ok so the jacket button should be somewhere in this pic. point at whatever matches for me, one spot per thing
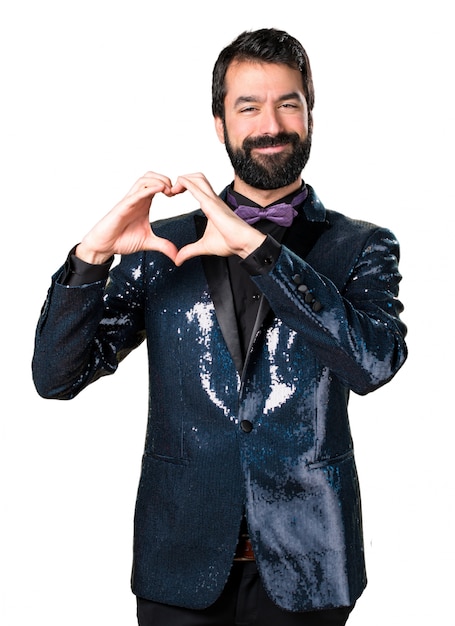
(316, 306)
(308, 298)
(246, 426)
(302, 288)
(297, 279)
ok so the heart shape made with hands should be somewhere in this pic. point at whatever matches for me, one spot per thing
(126, 229)
(211, 241)
(226, 234)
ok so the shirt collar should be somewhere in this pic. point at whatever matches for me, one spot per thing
(241, 199)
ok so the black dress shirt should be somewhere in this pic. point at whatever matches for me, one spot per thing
(246, 294)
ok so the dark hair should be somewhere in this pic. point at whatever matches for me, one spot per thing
(266, 45)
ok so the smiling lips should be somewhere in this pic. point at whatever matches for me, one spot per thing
(271, 149)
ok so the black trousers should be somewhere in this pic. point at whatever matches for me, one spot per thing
(243, 602)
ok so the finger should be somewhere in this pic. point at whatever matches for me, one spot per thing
(177, 189)
(201, 192)
(180, 186)
(154, 182)
(195, 183)
(153, 177)
(147, 190)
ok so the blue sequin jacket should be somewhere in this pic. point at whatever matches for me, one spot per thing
(292, 468)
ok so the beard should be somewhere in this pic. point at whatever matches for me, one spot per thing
(269, 171)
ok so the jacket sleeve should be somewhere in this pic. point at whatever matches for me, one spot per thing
(353, 329)
(85, 331)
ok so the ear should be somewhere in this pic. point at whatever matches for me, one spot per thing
(219, 127)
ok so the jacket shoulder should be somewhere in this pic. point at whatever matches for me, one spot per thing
(340, 247)
(344, 226)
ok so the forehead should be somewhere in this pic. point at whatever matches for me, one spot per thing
(251, 78)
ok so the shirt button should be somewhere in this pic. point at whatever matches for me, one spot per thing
(256, 296)
(246, 426)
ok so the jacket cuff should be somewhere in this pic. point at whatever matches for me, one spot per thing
(263, 259)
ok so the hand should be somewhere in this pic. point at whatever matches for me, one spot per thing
(126, 228)
(226, 234)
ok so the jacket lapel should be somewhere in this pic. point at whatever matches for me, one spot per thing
(217, 275)
(303, 235)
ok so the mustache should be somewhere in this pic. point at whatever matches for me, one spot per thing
(270, 141)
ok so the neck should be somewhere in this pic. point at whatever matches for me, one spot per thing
(264, 197)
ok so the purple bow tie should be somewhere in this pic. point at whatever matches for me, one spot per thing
(282, 213)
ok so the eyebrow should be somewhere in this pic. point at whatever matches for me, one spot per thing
(292, 95)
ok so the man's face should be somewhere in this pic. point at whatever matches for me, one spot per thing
(265, 130)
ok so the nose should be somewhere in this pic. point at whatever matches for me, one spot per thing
(269, 122)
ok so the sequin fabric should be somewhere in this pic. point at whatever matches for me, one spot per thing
(274, 438)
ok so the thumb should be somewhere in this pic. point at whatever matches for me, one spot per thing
(165, 246)
(189, 251)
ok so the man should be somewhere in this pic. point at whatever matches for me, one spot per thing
(261, 311)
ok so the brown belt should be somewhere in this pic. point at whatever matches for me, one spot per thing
(244, 550)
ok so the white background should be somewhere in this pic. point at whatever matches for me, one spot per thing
(94, 93)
